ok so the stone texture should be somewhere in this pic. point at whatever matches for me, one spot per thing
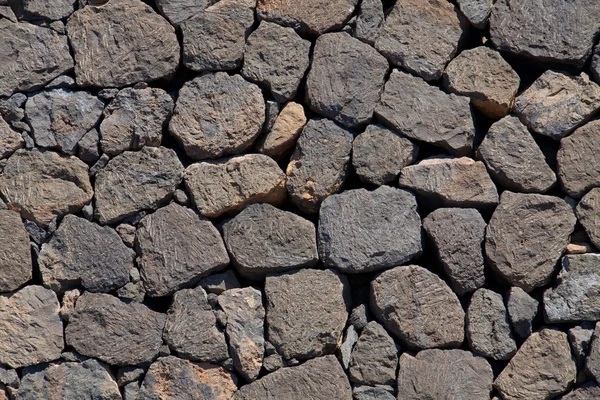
(542, 368)
(354, 229)
(526, 236)
(142, 47)
(557, 103)
(374, 357)
(177, 11)
(15, 255)
(217, 115)
(417, 307)
(592, 367)
(286, 129)
(457, 236)
(522, 309)
(369, 21)
(226, 185)
(176, 248)
(10, 140)
(310, 328)
(346, 79)
(423, 112)
(263, 239)
(87, 147)
(578, 160)
(110, 330)
(580, 338)
(319, 164)
(422, 37)
(42, 185)
(587, 214)
(39, 9)
(136, 181)
(514, 159)
(345, 350)
(588, 391)
(371, 393)
(218, 283)
(449, 374)
(476, 11)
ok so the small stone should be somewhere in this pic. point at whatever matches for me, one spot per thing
(423, 112)
(592, 367)
(68, 303)
(62, 82)
(99, 165)
(588, 216)
(271, 113)
(371, 393)
(12, 108)
(88, 211)
(108, 94)
(132, 292)
(7, 12)
(345, 350)
(354, 230)
(181, 197)
(477, 11)
(36, 9)
(579, 248)
(358, 317)
(127, 233)
(227, 185)
(286, 129)
(177, 11)
(522, 309)
(9, 377)
(588, 391)
(580, 338)
(88, 149)
(15, 256)
(418, 308)
(375, 357)
(129, 374)
(220, 282)
(369, 21)
(272, 363)
(10, 141)
(36, 233)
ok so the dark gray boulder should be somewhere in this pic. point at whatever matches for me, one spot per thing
(374, 357)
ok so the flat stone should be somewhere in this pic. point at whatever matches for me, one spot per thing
(422, 37)
(425, 113)
(277, 58)
(345, 350)
(263, 239)
(310, 328)
(143, 45)
(15, 254)
(457, 236)
(40, 9)
(42, 185)
(588, 391)
(369, 21)
(514, 159)
(176, 248)
(136, 181)
(227, 185)
(220, 282)
(418, 308)
(113, 331)
(354, 230)
(286, 129)
(319, 164)
(346, 79)
(526, 236)
(371, 393)
(217, 115)
(177, 11)
(557, 103)
(578, 160)
(374, 357)
(10, 140)
(542, 368)
(587, 214)
(476, 11)
(522, 309)
(87, 147)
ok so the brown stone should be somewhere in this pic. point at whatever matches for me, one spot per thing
(10, 140)
(15, 254)
(284, 133)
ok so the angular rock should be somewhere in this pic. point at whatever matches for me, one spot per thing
(442, 119)
(285, 131)
(226, 185)
(580, 338)
(277, 58)
(557, 103)
(422, 37)
(345, 350)
(68, 303)
(176, 248)
(354, 230)
(135, 181)
(87, 148)
(369, 21)
(217, 115)
(587, 214)
(218, 283)
(310, 328)
(526, 236)
(457, 235)
(374, 357)
(10, 140)
(522, 309)
(319, 164)
(588, 391)
(514, 159)
(39, 9)
(42, 185)
(451, 182)
(542, 368)
(418, 308)
(477, 11)
(143, 46)
(371, 393)
(115, 332)
(177, 11)
(438, 374)
(346, 79)
(15, 255)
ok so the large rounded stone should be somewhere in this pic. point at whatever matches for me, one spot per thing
(15, 254)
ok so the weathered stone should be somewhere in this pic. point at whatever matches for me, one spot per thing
(542, 368)
(177, 11)
(68, 301)
(176, 248)
(371, 393)
(87, 148)
(62, 82)
(418, 308)
(286, 129)
(135, 181)
(422, 37)
(226, 185)
(15, 255)
(592, 367)
(588, 216)
(477, 11)
(314, 326)
(438, 374)
(557, 103)
(39, 9)
(218, 283)
(98, 165)
(526, 236)
(217, 115)
(129, 374)
(132, 292)
(143, 46)
(31, 331)
(580, 338)
(359, 316)
(302, 382)
(276, 57)
(354, 230)
(588, 391)
(118, 333)
(442, 119)
(522, 309)
(369, 20)
(31, 56)
(374, 357)
(11, 108)
(319, 164)
(578, 160)
(457, 235)
(42, 185)
(271, 113)
(514, 159)
(346, 79)
(10, 140)
(345, 350)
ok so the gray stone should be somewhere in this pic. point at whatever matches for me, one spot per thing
(345, 350)
(220, 282)
(271, 113)
(62, 82)
(181, 197)
(588, 216)
(177, 11)
(126, 233)
(522, 309)
(354, 229)
(7, 12)
(40, 9)
(10, 140)
(129, 374)
(131, 390)
(11, 108)
(592, 367)
(588, 391)
(9, 377)
(272, 363)
(99, 165)
(15, 255)
(371, 393)
(526, 236)
(87, 147)
(423, 112)
(418, 308)
(369, 21)
(580, 338)
(359, 316)
(477, 11)
(374, 358)
(132, 292)
(68, 301)
(282, 135)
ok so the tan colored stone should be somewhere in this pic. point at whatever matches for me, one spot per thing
(579, 248)
(285, 131)
(10, 141)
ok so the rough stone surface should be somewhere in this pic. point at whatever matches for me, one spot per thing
(87, 147)
(578, 160)
(374, 357)
(476, 11)
(588, 216)
(10, 140)
(423, 112)
(218, 283)
(588, 391)
(371, 393)
(417, 307)
(369, 20)
(526, 236)
(15, 255)
(580, 338)
(354, 230)
(36, 9)
(592, 367)
(177, 11)
(345, 350)
(286, 129)
(522, 309)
